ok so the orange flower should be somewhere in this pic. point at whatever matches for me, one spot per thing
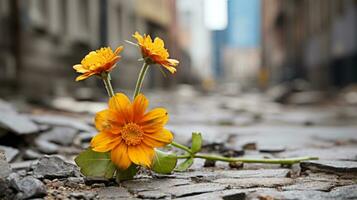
(130, 133)
(155, 51)
(96, 62)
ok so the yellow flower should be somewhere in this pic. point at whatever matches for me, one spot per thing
(97, 62)
(155, 51)
(130, 133)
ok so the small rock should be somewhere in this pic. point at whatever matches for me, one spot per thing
(271, 149)
(231, 194)
(27, 187)
(311, 185)
(250, 146)
(83, 195)
(74, 182)
(46, 147)
(236, 165)
(10, 152)
(334, 166)
(5, 169)
(153, 194)
(17, 123)
(54, 167)
(209, 163)
(25, 165)
(6, 107)
(31, 155)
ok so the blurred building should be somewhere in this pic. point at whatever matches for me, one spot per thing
(40, 41)
(314, 40)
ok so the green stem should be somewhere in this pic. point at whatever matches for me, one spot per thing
(180, 146)
(108, 86)
(140, 80)
(287, 161)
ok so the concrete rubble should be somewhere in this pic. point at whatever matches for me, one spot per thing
(37, 150)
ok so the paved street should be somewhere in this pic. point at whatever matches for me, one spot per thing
(249, 125)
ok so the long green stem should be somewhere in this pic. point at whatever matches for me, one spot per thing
(180, 146)
(140, 80)
(287, 161)
(108, 86)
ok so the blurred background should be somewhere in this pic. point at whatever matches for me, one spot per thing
(229, 46)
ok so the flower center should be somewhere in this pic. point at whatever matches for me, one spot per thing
(132, 134)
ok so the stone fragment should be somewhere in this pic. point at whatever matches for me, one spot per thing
(17, 123)
(193, 189)
(6, 107)
(113, 192)
(60, 135)
(5, 169)
(65, 121)
(153, 184)
(30, 154)
(54, 167)
(334, 166)
(232, 194)
(153, 194)
(271, 149)
(10, 152)
(311, 185)
(254, 182)
(46, 147)
(27, 187)
(83, 195)
(25, 165)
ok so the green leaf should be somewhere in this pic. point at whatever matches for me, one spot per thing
(95, 164)
(196, 142)
(164, 163)
(127, 174)
(184, 165)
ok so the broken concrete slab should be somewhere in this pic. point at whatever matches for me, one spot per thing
(10, 152)
(54, 167)
(17, 123)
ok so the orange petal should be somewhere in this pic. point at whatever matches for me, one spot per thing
(141, 154)
(154, 120)
(80, 68)
(120, 157)
(121, 104)
(84, 76)
(108, 121)
(158, 139)
(139, 106)
(104, 142)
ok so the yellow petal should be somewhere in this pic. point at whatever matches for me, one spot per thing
(118, 50)
(84, 76)
(80, 68)
(104, 142)
(154, 120)
(158, 139)
(120, 157)
(170, 68)
(139, 106)
(138, 37)
(108, 121)
(141, 154)
(121, 104)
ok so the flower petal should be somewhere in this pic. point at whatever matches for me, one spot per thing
(121, 104)
(141, 154)
(84, 76)
(154, 120)
(118, 50)
(104, 142)
(80, 68)
(139, 106)
(120, 157)
(108, 121)
(158, 139)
